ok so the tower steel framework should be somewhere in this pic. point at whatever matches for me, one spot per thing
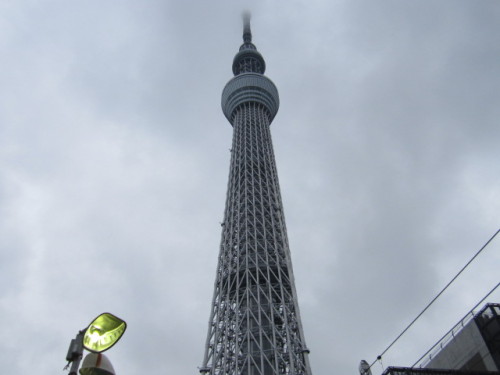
(254, 326)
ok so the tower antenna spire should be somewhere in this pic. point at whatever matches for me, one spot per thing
(247, 33)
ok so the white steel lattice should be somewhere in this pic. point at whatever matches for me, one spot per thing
(254, 326)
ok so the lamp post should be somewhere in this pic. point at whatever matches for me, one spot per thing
(100, 335)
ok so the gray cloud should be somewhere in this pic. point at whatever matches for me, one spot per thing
(114, 161)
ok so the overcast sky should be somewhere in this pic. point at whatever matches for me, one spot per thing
(114, 163)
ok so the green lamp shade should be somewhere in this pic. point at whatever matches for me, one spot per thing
(103, 333)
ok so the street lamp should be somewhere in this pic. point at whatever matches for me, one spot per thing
(100, 335)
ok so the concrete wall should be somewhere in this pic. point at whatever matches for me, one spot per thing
(466, 351)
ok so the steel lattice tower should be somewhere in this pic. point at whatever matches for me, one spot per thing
(254, 326)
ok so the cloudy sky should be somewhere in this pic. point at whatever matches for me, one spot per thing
(114, 162)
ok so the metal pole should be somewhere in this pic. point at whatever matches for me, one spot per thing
(75, 352)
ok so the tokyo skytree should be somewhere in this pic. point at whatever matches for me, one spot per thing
(254, 326)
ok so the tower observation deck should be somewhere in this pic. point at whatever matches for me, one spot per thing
(254, 326)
